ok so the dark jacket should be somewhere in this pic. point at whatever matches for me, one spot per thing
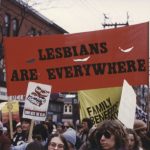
(88, 146)
(5, 142)
(19, 138)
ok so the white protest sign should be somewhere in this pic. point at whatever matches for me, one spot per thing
(127, 106)
(36, 101)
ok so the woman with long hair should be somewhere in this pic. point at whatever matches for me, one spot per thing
(111, 135)
(134, 140)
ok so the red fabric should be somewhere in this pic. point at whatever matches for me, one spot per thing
(67, 74)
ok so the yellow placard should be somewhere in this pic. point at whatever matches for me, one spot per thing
(99, 104)
(14, 109)
(13, 104)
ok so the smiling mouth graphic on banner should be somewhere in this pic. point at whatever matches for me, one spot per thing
(126, 50)
(38, 97)
(81, 60)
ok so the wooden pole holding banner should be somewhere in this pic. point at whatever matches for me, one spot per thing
(30, 131)
(10, 107)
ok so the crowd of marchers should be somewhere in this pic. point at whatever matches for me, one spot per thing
(46, 135)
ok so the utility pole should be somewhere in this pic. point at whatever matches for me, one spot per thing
(115, 25)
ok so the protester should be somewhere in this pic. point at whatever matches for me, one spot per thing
(5, 142)
(79, 129)
(49, 125)
(7, 125)
(68, 124)
(57, 141)
(111, 135)
(70, 136)
(141, 129)
(39, 134)
(18, 137)
(54, 130)
(78, 133)
(134, 140)
(60, 128)
(5, 131)
(87, 124)
(25, 125)
(35, 146)
(90, 144)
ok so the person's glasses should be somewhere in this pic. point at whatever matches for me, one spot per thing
(106, 134)
(54, 145)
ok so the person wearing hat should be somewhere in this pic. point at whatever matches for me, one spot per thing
(141, 129)
(21, 139)
(70, 136)
(18, 137)
(5, 142)
(39, 134)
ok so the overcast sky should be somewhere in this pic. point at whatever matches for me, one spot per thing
(88, 15)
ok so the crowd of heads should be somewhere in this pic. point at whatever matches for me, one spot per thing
(106, 135)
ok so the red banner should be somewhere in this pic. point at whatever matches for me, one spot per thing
(79, 61)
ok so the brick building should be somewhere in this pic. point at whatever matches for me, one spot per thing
(19, 19)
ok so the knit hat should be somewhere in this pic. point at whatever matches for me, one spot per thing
(1, 126)
(18, 124)
(70, 136)
(139, 125)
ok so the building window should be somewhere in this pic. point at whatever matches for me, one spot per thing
(15, 25)
(6, 31)
(68, 109)
(65, 108)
